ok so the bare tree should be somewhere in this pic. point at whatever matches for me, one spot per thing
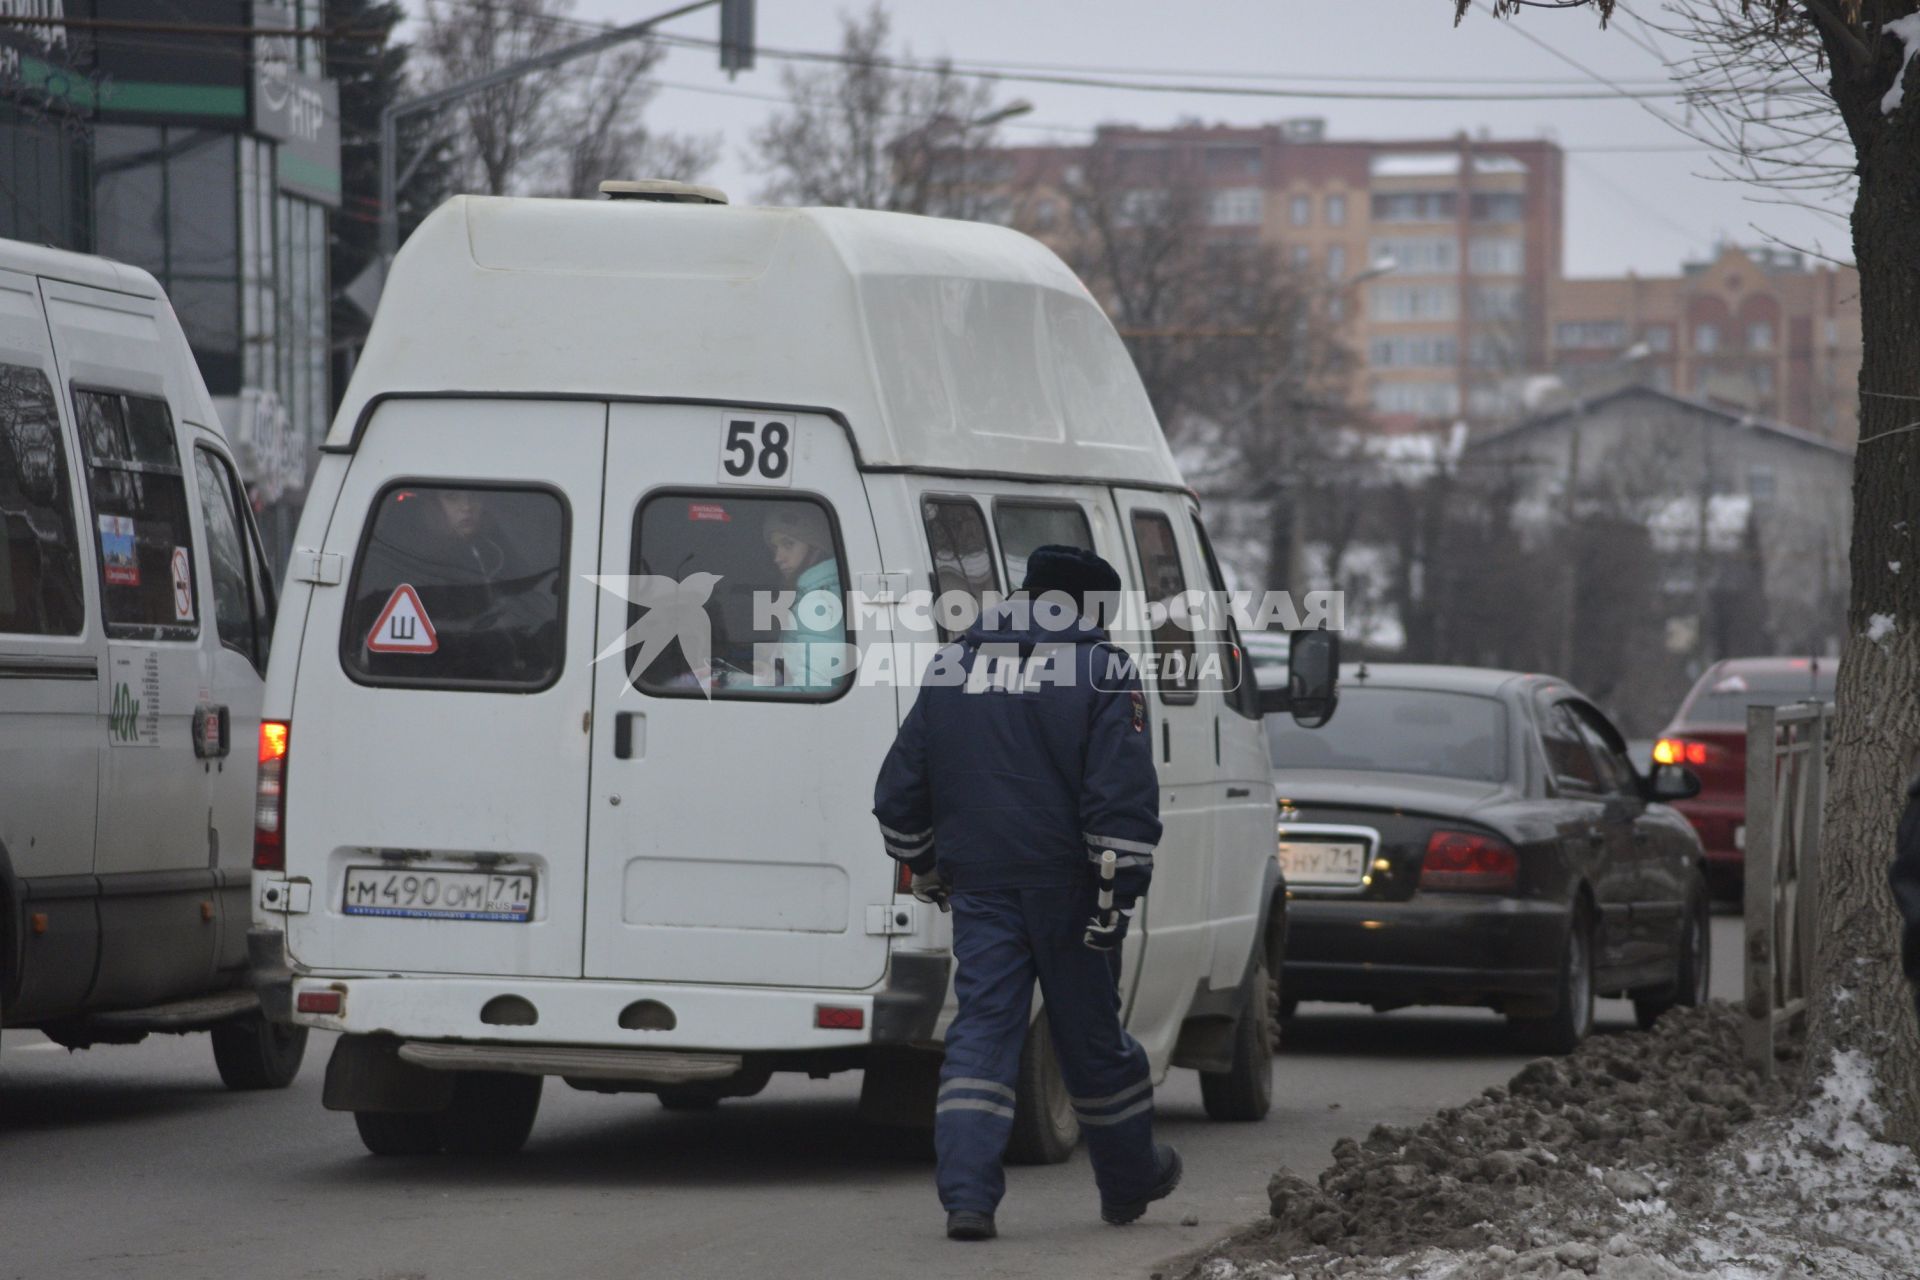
(600, 134)
(1233, 346)
(1860, 55)
(558, 131)
(869, 132)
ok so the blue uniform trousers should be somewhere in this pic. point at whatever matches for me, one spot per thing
(1002, 940)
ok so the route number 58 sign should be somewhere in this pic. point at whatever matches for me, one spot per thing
(755, 449)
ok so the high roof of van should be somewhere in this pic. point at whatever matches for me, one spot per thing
(77, 268)
(946, 345)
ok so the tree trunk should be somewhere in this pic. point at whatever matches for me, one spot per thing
(1858, 999)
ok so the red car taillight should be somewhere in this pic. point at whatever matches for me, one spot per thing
(903, 879)
(270, 798)
(1682, 751)
(1463, 861)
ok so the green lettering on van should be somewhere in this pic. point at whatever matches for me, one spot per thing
(124, 722)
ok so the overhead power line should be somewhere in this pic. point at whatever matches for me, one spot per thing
(1203, 73)
(148, 27)
(978, 71)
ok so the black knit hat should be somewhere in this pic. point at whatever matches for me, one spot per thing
(1075, 571)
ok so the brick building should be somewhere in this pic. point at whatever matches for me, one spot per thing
(1472, 227)
(1759, 330)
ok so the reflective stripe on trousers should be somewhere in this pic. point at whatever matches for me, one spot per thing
(1002, 941)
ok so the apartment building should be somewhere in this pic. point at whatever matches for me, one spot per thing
(1436, 255)
(1759, 330)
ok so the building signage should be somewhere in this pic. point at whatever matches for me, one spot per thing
(299, 111)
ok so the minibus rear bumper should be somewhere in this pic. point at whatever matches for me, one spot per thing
(904, 1009)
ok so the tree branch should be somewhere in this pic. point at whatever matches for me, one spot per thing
(1839, 33)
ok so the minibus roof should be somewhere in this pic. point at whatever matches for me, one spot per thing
(77, 268)
(951, 346)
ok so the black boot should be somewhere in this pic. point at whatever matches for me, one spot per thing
(970, 1224)
(1167, 1161)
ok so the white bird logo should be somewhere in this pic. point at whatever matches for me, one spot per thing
(674, 609)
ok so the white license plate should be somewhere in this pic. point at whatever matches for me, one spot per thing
(505, 896)
(1331, 863)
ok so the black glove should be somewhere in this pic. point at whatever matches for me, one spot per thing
(934, 888)
(1107, 929)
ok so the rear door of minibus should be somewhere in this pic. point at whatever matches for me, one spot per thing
(436, 769)
(731, 839)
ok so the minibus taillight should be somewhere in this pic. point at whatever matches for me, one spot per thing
(903, 879)
(269, 805)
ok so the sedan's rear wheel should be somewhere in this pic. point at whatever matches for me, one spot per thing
(1572, 1018)
(1693, 964)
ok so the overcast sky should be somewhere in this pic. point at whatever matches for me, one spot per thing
(1642, 210)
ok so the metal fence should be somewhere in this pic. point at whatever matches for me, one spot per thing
(1786, 795)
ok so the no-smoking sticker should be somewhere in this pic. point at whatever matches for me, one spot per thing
(403, 626)
(182, 585)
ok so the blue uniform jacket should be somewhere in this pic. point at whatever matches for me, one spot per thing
(1026, 756)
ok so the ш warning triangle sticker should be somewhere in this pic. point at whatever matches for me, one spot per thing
(402, 626)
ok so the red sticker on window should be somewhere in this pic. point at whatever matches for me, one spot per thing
(403, 626)
(707, 511)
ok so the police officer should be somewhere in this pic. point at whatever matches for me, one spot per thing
(1024, 760)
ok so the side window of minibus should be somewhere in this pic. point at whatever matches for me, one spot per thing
(1242, 690)
(775, 623)
(1166, 582)
(40, 590)
(237, 609)
(1024, 526)
(139, 497)
(962, 553)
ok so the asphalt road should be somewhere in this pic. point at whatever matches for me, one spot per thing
(134, 1162)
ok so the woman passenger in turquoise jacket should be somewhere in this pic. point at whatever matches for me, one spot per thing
(802, 548)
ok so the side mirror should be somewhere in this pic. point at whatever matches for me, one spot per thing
(1670, 782)
(1313, 677)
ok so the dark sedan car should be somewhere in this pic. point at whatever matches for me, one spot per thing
(1469, 837)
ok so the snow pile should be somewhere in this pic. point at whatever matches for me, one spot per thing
(1651, 1156)
(1907, 31)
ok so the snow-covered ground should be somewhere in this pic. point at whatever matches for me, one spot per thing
(1644, 1157)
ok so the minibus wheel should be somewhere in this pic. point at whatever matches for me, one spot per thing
(1245, 1090)
(491, 1113)
(689, 1098)
(398, 1133)
(1045, 1128)
(253, 1053)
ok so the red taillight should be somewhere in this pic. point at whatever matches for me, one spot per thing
(835, 1018)
(903, 882)
(327, 1002)
(269, 802)
(1469, 862)
(1681, 751)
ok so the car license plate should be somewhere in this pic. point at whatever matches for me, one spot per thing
(1330, 863)
(505, 896)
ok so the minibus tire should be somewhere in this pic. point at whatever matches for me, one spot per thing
(253, 1053)
(399, 1133)
(688, 1099)
(1045, 1128)
(1245, 1090)
(491, 1113)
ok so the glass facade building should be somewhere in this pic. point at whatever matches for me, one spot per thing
(210, 160)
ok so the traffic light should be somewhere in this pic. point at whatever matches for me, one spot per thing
(736, 36)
